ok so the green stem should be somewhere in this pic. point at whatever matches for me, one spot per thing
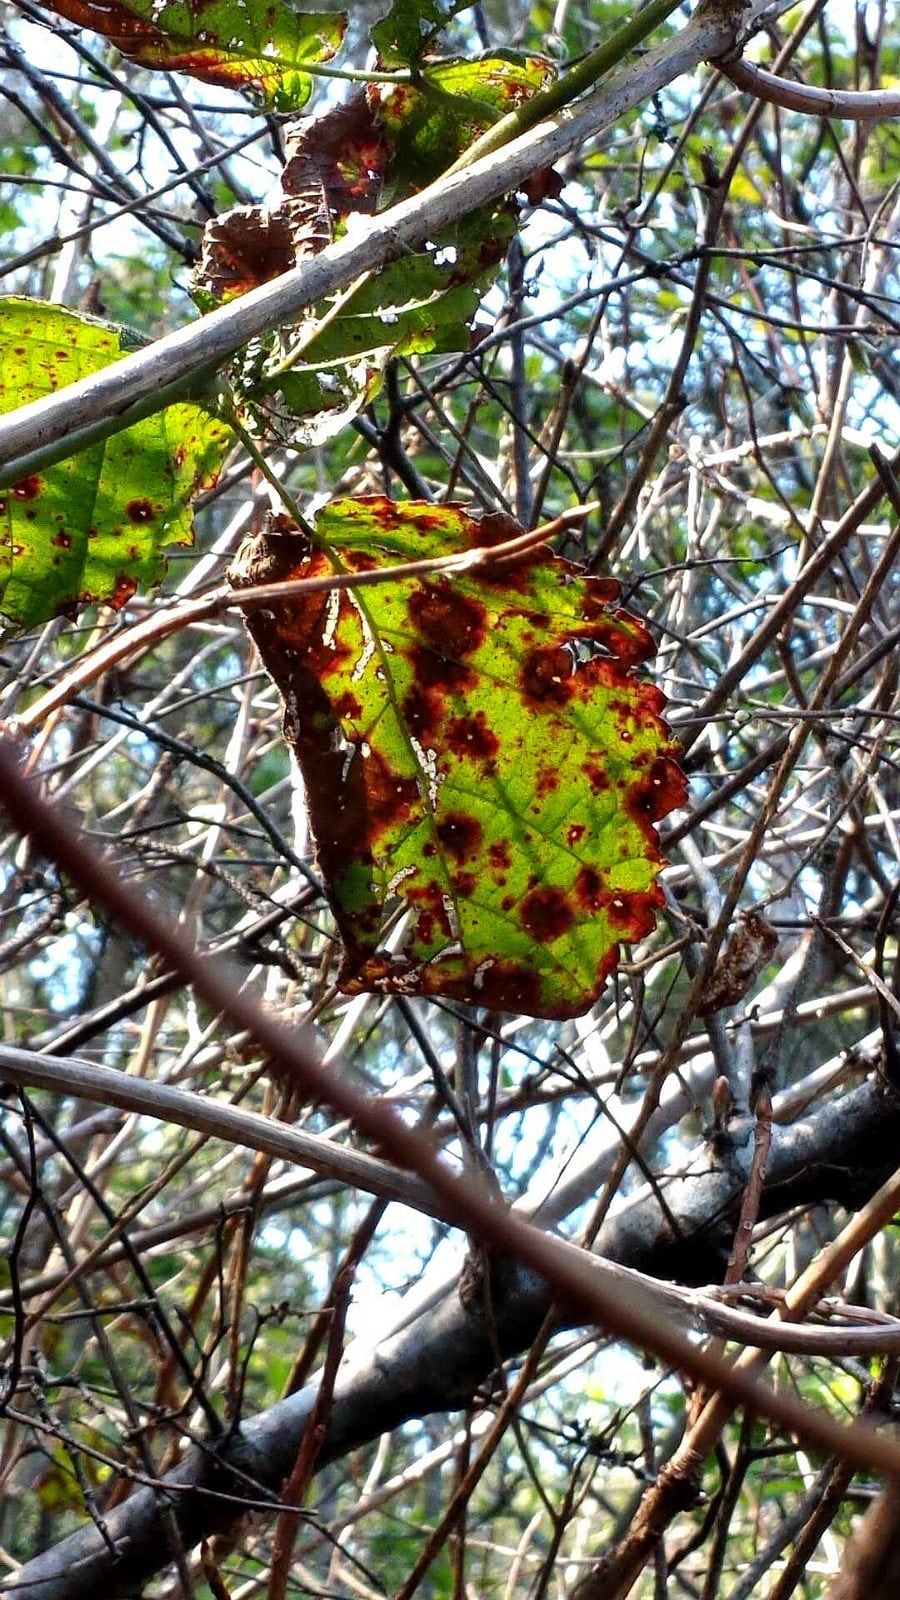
(228, 411)
(567, 88)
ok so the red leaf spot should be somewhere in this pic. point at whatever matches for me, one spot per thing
(427, 520)
(589, 889)
(500, 856)
(431, 897)
(596, 776)
(547, 781)
(27, 488)
(62, 540)
(125, 588)
(460, 835)
(140, 510)
(470, 736)
(379, 508)
(546, 914)
(575, 832)
(465, 884)
(347, 705)
(390, 797)
(657, 793)
(422, 708)
(547, 674)
(435, 671)
(449, 622)
(633, 913)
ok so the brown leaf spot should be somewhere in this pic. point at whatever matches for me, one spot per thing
(596, 777)
(125, 588)
(657, 793)
(465, 884)
(430, 896)
(460, 835)
(547, 674)
(500, 855)
(447, 620)
(347, 706)
(422, 711)
(436, 671)
(243, 248)
(471, 736)
(632, 912)
(391, 798)
(589, 889)
(27, 488)
(546, 914)
(601, 592)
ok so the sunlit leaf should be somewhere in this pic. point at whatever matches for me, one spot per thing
(93, 527)
(479, 751)
(411, 28)
(432, 124)
(376, 148)
(264, 46)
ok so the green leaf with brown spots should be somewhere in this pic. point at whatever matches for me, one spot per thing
(264, 46)
(431, 123)
(92, 527)
(411, 29)
(305, 383)
(481, 755)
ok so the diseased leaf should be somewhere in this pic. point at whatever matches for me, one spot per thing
(260, 45)
(433, 123)
(409, 31)
(375, 149)
(476, 749)
(92, 527)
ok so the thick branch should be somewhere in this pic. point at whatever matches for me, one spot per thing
(855, 105)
